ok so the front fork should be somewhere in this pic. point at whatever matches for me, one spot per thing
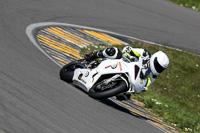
(115, 78)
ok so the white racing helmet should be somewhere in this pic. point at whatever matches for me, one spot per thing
(158, 62)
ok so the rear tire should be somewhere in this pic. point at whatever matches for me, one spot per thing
(117, 89)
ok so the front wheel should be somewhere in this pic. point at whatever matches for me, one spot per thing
(102, 91)
(67, 71)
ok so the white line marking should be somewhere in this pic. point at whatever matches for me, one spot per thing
(29, 32)
(159, 127)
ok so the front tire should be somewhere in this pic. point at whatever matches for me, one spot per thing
(119, 87)
(67, 71)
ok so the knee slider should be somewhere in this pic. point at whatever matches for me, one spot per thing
(110, 51)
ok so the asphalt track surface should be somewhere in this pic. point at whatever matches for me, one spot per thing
(32, 97)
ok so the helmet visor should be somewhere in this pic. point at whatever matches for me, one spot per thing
(157, 66)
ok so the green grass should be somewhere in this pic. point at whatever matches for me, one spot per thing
(175, 95)
(194, 4)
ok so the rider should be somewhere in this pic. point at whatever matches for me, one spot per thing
(152, 65)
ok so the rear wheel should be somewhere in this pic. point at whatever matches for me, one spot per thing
(67, 71)
(102, 90)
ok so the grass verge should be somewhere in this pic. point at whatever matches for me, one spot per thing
(193, 4)
(175, 95)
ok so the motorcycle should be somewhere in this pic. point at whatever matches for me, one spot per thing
(111, 77)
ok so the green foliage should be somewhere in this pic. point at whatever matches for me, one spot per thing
(194, 4)
(175, 95)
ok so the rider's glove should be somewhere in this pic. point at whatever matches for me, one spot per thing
(127, 49)
(146, 56)
(145, 60)
(89, 56)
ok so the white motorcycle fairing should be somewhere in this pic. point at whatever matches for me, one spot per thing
(86, 78)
